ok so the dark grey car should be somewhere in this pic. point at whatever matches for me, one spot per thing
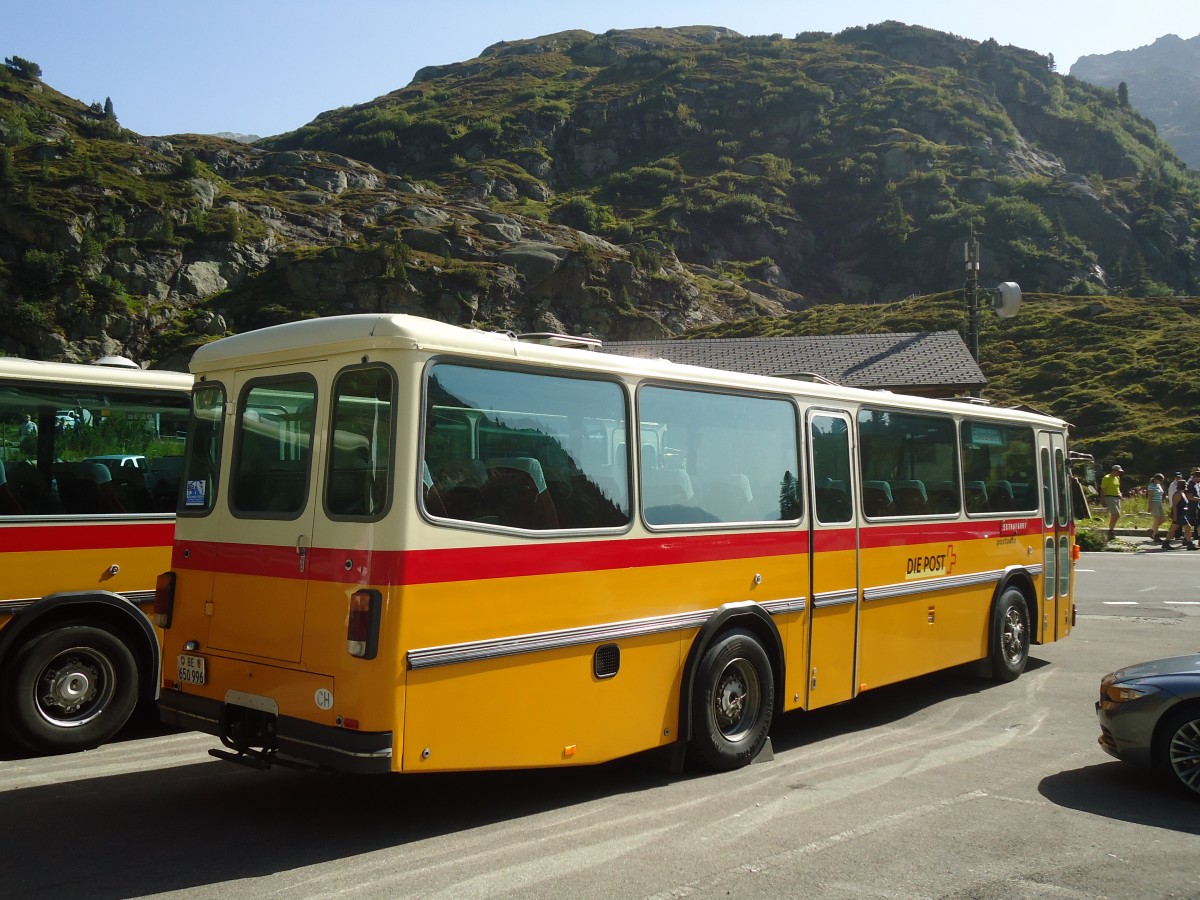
(1150, 716)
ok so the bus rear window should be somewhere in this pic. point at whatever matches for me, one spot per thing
(273, 447)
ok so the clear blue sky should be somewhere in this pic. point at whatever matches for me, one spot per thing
(269, 66)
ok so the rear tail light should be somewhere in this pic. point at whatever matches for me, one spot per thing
(362, 624)
(164, 599)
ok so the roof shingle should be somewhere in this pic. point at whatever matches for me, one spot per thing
(913, 362)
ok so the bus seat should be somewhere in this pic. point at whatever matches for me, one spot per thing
(527, 464)
(1000, 496)
(31, 490)
(833, 504)
(977, 496)
(1020, 494)
(944, 497)
(883, 486)
(465, 502)
(454, 472)
(649, 457)
(666, 487)
(512, 495)
(129, 484)
(877, 498)
(433, 501)
(9, 506)
(727, 498)
(105, 493)
(910, 497)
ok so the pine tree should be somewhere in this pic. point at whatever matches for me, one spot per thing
(1123, 94)
(108, 109)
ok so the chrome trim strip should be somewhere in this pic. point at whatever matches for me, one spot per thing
(495, 648)
(927, 585)
(1032, 570)
(780, 607)
(137, 598)
(835, 598)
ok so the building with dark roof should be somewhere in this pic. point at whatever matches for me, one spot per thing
(929, 364)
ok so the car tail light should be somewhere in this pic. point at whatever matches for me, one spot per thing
(362, 624)
(164, 599)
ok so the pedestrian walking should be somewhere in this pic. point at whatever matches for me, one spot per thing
(1180, 516)
(1110, 493)
(1156, 496)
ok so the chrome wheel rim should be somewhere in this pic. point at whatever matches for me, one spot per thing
(74, 687)
(737, 700)
(1014, 635)
(1184, 754)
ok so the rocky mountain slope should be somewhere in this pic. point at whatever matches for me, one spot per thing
(1163, 80)
(630, 185)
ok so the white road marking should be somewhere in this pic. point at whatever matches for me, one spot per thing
(1182, 602)
(1120, 603)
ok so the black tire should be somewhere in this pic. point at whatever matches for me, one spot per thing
(69, 689)
(1178, 752)
(733, 702)
(1010, 636)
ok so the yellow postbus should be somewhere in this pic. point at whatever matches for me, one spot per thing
(406, 546)
(90, 461)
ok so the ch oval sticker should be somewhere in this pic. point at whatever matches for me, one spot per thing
(323, 698)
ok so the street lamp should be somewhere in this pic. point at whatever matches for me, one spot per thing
(1005, 300)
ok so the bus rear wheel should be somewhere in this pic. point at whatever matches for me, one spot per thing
(733, 702)
(1010, 636)
(70, 689)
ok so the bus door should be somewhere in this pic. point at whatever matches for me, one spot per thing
(268, 514)
(1056, 536)
(833, 539)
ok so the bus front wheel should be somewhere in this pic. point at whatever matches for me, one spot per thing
(1010, 636)
(733, 702)
(70, 689)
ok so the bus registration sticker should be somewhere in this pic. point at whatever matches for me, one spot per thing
(191, 669)
(194, 496)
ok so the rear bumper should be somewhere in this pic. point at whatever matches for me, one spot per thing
(338, 749)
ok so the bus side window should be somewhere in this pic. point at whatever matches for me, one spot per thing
(909, 463)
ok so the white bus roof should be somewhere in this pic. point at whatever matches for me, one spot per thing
(312, 339)
(13, 369)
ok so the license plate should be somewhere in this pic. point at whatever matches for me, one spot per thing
(191, 669)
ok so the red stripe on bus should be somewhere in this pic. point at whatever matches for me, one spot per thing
(334, 564)
(875, 537)
(833, 539)
(27, 538)
(474, 563)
